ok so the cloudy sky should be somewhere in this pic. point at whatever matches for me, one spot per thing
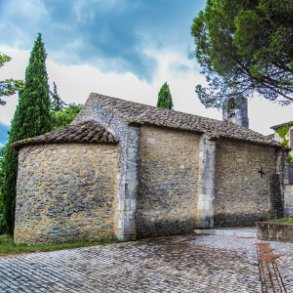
(121, 48)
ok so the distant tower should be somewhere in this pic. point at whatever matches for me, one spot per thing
(235, 110)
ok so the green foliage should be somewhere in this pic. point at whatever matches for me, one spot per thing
(8, 87)
(61, 114)
(65, 116)
(245, 46)
(7, 245)
(8, 188)
(164, 97)
(283, 133)
(2, 217)
(283, 220)
(290, 159)
(57, 104)
(3, 59)
(31, 118)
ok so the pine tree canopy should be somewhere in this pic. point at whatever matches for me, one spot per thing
(9, 86)
(57, 104)
(164, 97)
(245, 46)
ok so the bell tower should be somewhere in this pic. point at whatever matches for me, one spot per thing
(235, 109)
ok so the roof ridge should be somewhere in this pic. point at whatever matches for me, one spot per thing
(275, 127)
(156, 108)
(133, 112)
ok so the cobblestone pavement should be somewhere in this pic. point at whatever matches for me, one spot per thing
(192, 263)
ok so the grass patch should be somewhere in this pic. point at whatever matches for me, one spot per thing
(283, 220)
(7, 246)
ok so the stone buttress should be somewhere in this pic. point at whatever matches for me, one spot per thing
(125, 228)
(206, 183)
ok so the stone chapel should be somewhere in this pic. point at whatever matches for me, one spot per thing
(127, 170)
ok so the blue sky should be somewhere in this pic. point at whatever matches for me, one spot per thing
(121, 48)
(114, 35)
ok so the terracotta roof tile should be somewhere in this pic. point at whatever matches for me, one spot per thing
(275, 127)
(270, 136)
(144, 114)
(87, 132)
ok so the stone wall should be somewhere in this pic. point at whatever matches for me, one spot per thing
(125, 226)
(242, 194)
(288, 201)
(66, 193)
(270, 231)
(167, 197)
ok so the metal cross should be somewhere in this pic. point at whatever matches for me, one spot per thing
(261, 172)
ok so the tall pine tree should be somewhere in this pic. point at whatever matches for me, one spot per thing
(57, 104)
(32, 117)
(164, 97)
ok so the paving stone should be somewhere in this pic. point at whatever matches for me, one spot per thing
(193, 263)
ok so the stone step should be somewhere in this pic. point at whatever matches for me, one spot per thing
(238, 232)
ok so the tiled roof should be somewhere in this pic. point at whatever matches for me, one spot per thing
(144, 114)
(270, 136)
(85, 132)
(290, 123)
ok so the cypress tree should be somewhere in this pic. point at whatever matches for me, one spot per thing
(32, 117)
(164, 97)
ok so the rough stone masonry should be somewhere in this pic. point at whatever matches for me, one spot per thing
(129, 171)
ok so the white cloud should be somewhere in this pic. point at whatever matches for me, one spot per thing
(264, 114)
(32, 10)
(13, 69)
(21, 19)
(75, 83)
(85, 14)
